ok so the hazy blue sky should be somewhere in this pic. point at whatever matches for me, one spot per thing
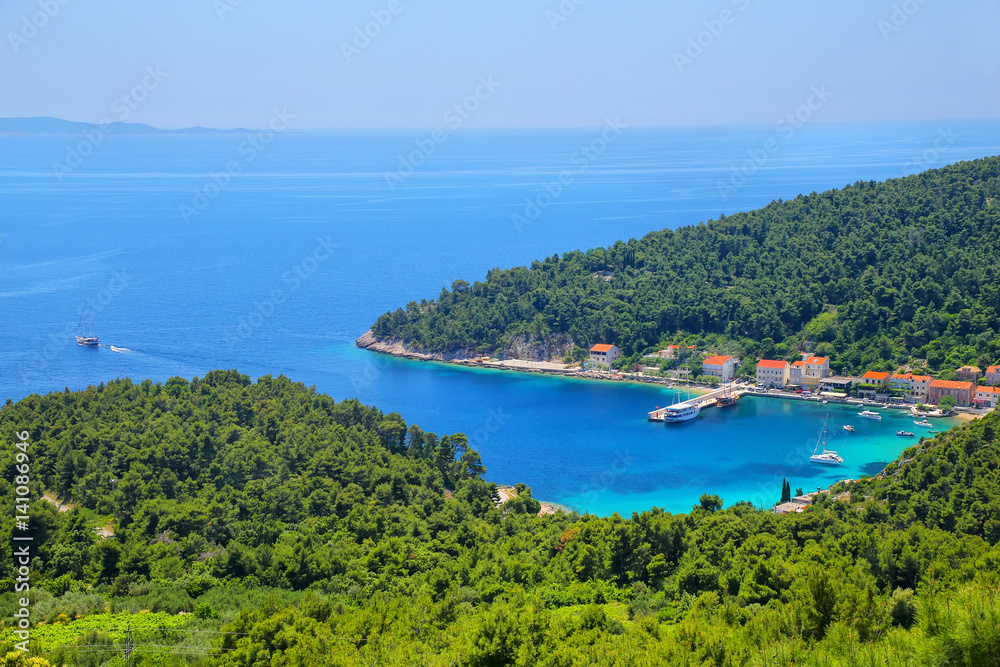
(878, 59)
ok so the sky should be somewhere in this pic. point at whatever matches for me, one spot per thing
(387, 64)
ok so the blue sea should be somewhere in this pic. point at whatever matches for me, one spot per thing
(273, 254)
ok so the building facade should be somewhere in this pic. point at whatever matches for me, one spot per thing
(875, 378)
(814, 370)
(771, 373)
(987, 396)
(964, 392)
(968, 374)
(795, 372)
(604, 354)
(993, 375)
(721, 366)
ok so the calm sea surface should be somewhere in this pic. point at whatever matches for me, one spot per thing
(278, 268)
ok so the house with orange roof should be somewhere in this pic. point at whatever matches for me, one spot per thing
(875, 377)
(964, 392)
(669, 352)
(919, 387)
(772, 373)
(795, 372)
(993, 375)
(913, 387)
(988, 396)
(814, 370)
(604, 354)
(720, 365)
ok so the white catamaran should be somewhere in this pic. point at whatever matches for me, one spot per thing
(827, 457)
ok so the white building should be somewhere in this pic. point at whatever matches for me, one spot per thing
(771, 373)
(795, 372)
(721, 366)
(604, 354)
(988, 396)
(669, 353)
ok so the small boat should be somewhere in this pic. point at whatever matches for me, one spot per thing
(828, 457)
(725, 401)
(848, 428)
(87, 339)
(905, 434)
(870, 414)
(924, 423)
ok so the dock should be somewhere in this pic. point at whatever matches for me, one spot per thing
(706, 401)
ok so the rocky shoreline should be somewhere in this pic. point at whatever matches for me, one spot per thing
(468, 357)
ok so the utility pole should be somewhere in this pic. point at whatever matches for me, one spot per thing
(128, 646)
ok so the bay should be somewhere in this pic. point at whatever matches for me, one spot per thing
(187, 267)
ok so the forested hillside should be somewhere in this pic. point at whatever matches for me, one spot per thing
(294, 530)
(873, 274)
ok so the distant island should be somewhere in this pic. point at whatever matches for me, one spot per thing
(876, 276)
(48, 125)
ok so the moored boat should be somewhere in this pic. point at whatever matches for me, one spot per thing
(905, 434)
(828, 457)
(848, 428)
(870, 414)
(681, 412)
(924, 423)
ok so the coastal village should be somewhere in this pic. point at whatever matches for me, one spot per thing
(811, 375)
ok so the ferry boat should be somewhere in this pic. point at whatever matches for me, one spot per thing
(828, 457)
(924, 423)
(681, 412)
(870, 414)
(725, 401)
(848, 428)
(905, 434)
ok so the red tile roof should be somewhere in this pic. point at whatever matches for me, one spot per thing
(601, 347)
(920, 378)
(993, 369)
(875, 375)
(988, 390)
(799, 363)
(901, 376)
(771, 363)
(717, 360)
(817, 361)
(951, 384)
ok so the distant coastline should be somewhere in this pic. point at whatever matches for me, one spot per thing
(48, 125)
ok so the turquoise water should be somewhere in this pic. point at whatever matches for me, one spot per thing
(289, 262)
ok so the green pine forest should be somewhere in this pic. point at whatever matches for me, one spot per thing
(873, 275)
(263, 523)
